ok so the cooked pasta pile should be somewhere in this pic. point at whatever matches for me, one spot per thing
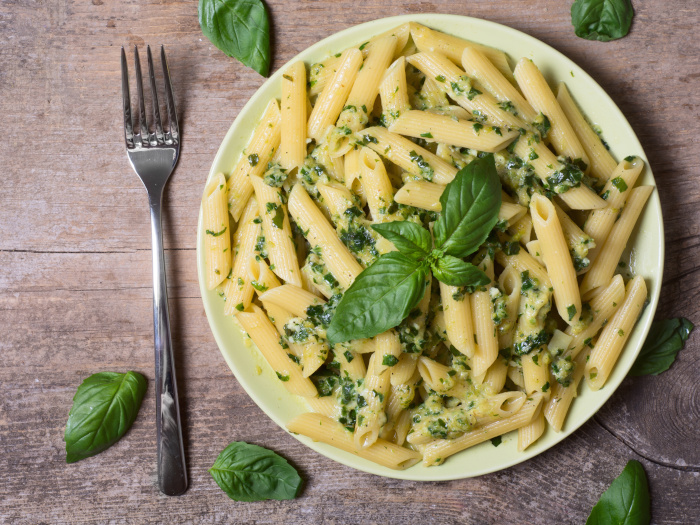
(372, 135)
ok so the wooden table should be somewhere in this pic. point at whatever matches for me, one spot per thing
(75, 282)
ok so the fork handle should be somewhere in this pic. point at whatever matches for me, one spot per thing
(172, 472)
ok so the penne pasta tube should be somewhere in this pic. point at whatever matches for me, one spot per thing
(393, 91)
(485, 330)
(332, 99)
(239, 290)
(616, 190)
(480, 68)
(483, 106)
(548, 168)
(254, 160)
(293, 117)
(324, 429)
(416, 160)
(376, 185)
(437, 451)
(615, 334)
(538, 93)
(558, 405)
(217, 234)
(278, 232)
(266, 338)
(602, 163)
(319, 232)
(453, 47)
(456, 307)
(421, 194)
(557, 259)
(603, 268)
(375, 392)
(439, 128)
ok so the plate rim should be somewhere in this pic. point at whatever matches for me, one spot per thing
(611, 386)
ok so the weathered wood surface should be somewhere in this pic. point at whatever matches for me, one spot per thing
(75, 285)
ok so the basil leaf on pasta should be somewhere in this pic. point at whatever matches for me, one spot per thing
(409, 238)
(470, 206)
(379, 299)
(239, 28)
(455, 272)
(248, 472)
(104, 408)
(626, 501)
(602, 20)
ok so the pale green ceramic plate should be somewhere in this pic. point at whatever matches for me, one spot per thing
(646, 251)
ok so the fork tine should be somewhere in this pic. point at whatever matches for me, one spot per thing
(169, 99)
(128, 123)
(156, 107)
(143, 123)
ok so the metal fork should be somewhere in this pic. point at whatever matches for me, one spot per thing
(153, 157)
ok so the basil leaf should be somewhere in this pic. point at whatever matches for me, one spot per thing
(409, 238)
(239, 28)
(104, 408)
(251, 473)
(379, 299)
(626, 502)
(470, 206)
(602, 20)
(456, 272)
(666, 338)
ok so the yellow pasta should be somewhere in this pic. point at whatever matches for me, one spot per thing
(374, 137)
(458, 87)
(557, 259)
(293, 116)
(217, 235)
(602, 163)
(409, 156)
(266, 338)
(278, 233)
(615, 334)
(600, 222)
(326, 430)
(239, 290)
(480, 68)
(453, 47)
(332, 99)
(538, 93)
(603, 268)
(439, 128)
(254, 160)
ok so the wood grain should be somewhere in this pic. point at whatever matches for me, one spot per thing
(75, 284)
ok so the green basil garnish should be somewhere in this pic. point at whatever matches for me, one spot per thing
(241, 29)
(379, 299)
(104, 408)
(455, 272)
(386, 292)
(409, 238)
(666, 338)
(251, 473)
(470, 205)
(602, 20)
(626, 501)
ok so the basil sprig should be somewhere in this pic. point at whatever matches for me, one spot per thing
(602, 20)
(239, 28)
(385, 293)
(104, 408)
(626, 501)
(666, 338)
(251, 473)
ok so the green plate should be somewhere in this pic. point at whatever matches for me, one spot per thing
(648, 239)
